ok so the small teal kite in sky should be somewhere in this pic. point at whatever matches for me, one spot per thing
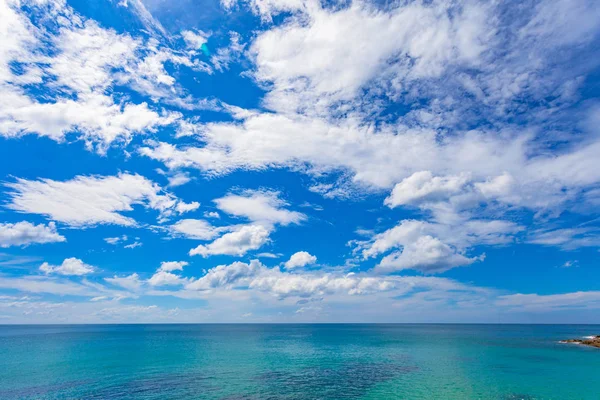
(204, 49)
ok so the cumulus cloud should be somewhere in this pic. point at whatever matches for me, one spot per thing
(25, 233)
(195, 229)
(424, 187)
(259, 206)
(164, 278)
(265, 210)
(226, 275)
(164, 275)
(194, 39)
(236, 243)
(300, 259)
(98, 117)
(179, 179)
(70, 266)
(91, 200)
(169, 266)
(434, 247)
(427, 254)
(268, 255)
(257, 276)
(131, 282)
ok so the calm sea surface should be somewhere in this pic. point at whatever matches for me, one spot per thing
(297, 362)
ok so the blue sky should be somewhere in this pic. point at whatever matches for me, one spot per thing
(299, 161)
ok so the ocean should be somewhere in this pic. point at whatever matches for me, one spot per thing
(308, 361)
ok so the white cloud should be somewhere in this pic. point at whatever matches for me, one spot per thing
(264, 209)
(536, 302)
(406, 231)
(452, 194)
(164, 275)
(10, 260)
(133, 245)
(427, 254)
(434, 247)
(84, 60)
(70, 266)
(25, 233)
(90, 200)
(314, 145)
(268, 8)
(236, 243)
(259, 206)
(49, 285)
(336, 52)
(195, 229)
(256, 276)
(294, 285)
(164, 278)
(123, 239)
(97, 117)
(88, 55)
(227, 55)
(149, 76)
(179, 179)
(472, 69)
(194, 39)
(454, 108)
(116, 240)
(567, 238)
(78, 63)
(300, 259)
(563, 22)
(484, 168)
(182, 207)
(169, 266)
(138, 8)
(131, 282)
(268, 255)
(424, 187)
(226, 275)
(17, 39)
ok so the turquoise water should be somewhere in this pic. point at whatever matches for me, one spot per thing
(297, 362)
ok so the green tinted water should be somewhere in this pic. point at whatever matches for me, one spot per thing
(297, 362)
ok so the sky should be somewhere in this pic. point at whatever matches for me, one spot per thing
(299, 161)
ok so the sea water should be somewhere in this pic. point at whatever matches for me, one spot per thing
(310, 361)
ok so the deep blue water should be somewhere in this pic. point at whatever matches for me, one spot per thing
(297, 362)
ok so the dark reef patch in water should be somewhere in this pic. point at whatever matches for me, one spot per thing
(515, 396)
(38, 392)
(176, 385)
(350, 381)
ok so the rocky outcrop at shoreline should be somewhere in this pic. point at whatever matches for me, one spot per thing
(593, 341)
